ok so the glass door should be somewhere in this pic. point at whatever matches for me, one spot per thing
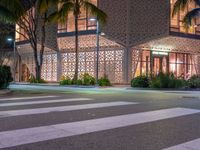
(156, 65)
(160, 65)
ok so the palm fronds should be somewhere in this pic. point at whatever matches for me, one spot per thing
(187, 21)
(179, 5)
(95, 11)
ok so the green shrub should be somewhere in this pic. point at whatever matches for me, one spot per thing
(167, 81)
(65, 80)
(32, 79)
(87, 79)
(104, 81)
(177, 83)
(5, 76)
(160, 81)
(140, 81)
(194, 82)
(77, 82)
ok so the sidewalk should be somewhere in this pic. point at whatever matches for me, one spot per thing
(94, 89)
(57, 87)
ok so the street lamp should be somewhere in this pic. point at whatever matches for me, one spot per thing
(14, 53)
(97, 49)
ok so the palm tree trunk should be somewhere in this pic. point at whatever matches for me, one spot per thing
(38, 72)
(37, 65)
(42, 46)
(76, 47)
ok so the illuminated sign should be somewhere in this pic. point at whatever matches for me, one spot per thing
(159, 53)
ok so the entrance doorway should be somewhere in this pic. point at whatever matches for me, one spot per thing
(160, 64)
(25, 73)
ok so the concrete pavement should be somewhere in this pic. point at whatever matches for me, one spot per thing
(119, 120)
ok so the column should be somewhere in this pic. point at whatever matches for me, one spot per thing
(127, 65)
(59, 65)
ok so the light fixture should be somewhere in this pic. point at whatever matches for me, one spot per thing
(92, 19)
(9, 39)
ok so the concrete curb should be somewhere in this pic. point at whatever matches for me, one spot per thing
(4, 91)
(163, 89)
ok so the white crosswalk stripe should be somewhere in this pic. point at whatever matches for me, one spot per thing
(61, 108)
(44, 102)
(191, 145)
(12, 138)
(26, 98)
(43, 133)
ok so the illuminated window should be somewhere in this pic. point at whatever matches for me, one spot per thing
(177, 20)
(83, 23)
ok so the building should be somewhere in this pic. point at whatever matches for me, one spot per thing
(140, 37)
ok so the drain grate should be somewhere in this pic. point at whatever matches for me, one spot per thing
(190, 97)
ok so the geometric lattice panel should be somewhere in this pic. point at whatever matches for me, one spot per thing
(136, 53)
(110, 63)
(49, 67)
(110, 57)
(174, 44)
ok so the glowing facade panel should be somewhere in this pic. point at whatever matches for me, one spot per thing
(49, 68)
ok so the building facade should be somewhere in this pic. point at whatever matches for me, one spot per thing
(140, 37)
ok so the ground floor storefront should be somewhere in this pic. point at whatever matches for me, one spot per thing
(154, 62)
(116, 61)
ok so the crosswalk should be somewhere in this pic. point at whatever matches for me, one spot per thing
(44, 102)
(34, 134)
(191, 145)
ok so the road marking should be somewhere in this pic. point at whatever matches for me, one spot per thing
(60, 109)
(22, 98)
(191, 145)
(39, 134)
(44, 102)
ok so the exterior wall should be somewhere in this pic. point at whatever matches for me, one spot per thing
(111, 57)
(116, 26)
(132, 26)
(134, 22)
(51, 35)
(148, 20)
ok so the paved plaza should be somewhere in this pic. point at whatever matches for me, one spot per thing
(104, 119)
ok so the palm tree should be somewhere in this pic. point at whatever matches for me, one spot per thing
(76, 7)
(181, 5)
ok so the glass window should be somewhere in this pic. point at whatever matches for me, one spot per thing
(84, 22)
(172, 58)
(180, 64)
(177, 20)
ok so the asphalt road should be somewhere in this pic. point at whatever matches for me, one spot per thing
(121, 120)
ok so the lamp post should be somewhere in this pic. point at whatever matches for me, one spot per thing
(97, 48)
(14, 54)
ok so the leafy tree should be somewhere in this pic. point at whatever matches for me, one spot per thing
(30, 19)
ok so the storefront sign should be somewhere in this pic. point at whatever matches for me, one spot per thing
(160, 53)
